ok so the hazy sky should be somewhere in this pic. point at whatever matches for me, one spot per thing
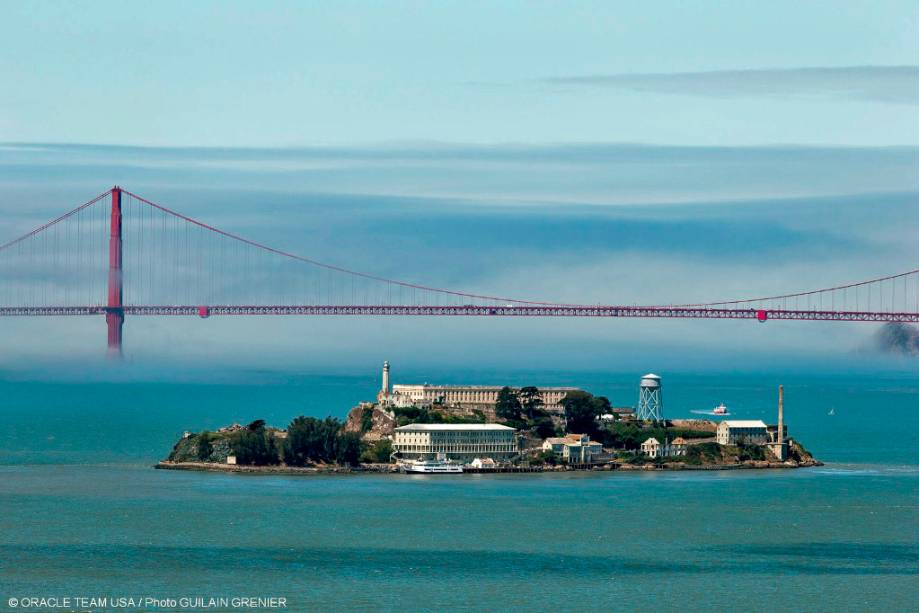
(580, 152)
(613, 224)
(306, 73)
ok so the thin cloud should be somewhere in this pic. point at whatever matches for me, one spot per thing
(888, 84)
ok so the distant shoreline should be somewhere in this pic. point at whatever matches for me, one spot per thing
(393, 469)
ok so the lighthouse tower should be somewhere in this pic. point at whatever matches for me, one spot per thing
(383, 395)
(650, 398)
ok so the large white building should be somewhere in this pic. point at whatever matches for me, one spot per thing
(473, 396)
(753, 431)
(481, 397)
(456, 441)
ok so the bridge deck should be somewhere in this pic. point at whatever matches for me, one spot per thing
(475, 311)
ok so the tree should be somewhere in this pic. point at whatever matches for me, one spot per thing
(311, 440)
(254, 446)
(348, 448)
(530, 401)
(258, 424)
(581, 411)
(544, 427)
(623, 436)
(603, 405)
(320, 440)
(507, 405)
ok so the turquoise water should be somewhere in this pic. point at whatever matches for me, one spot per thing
(83, 513)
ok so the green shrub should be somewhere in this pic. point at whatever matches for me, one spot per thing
(703, 453)
(630, 435)
(423, 415)
(547, 456)
(378, 453)
(747, 451)
(203, 447)
(254, 446)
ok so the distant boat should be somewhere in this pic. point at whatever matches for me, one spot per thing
(831, 412)
(719, 411)
(432, 467)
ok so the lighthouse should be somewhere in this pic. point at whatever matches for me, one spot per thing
(383, 396)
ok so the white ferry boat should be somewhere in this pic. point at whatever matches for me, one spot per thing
(438, 466)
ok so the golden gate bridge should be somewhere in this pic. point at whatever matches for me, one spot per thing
(120, 254)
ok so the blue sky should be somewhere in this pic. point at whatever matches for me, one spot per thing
(312, 73)
(579, 152)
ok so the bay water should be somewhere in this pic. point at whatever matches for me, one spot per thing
(82, 512)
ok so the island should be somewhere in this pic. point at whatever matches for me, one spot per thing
(476, 429)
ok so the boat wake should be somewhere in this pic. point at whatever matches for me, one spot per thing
(713, 413)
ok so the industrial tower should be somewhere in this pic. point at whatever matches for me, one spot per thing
(650, 399)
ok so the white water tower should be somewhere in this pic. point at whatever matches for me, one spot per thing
(650, 398)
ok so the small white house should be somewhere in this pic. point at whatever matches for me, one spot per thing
(582, 453)
(574, 448)
(677, 447)
(554, 444)
(651, 448)
(231, 459)
(557, 443)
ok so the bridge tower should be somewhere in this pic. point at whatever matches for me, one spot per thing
(114, 311)
(650, 398)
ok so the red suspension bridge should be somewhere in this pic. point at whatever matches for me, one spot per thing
(120, 254)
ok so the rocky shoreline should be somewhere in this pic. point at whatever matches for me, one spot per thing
(392, 468)
(275, 470)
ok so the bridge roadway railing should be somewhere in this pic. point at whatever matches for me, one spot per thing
(474, 311)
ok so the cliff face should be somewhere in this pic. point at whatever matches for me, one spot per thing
(798, 453)
(371, 422)
(188, 449)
